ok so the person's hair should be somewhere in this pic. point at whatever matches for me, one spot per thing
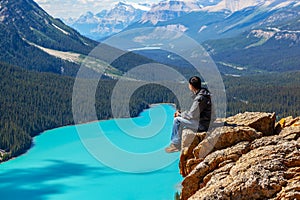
(195, 81)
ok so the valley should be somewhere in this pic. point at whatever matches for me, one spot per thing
(256, 49)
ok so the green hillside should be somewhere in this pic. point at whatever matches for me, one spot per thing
(32, 102)
(25, 29)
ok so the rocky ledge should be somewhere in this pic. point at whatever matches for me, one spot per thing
(249, 157)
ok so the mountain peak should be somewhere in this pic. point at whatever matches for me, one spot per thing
(177, 6)
(27, 30)
(170, 9)
(193, 15)
(111, 21)
(137, 6)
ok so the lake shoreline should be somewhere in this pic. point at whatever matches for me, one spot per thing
(64, 168)
(78, 124)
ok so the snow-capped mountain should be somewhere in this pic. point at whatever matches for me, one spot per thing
(255, 36)
(168, 10)
(201, 19)
(219, 19)
(237, 5)
(108, 22)
(234, 5)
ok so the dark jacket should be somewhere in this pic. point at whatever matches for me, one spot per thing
(200, 110)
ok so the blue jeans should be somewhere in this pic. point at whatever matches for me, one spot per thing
(179, 124)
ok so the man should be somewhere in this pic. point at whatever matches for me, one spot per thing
(197, 118)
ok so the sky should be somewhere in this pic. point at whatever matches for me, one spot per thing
(74, 8)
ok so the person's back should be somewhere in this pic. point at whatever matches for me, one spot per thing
(197, 118)
(205, 109)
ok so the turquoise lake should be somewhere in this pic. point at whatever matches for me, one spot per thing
(74, 162)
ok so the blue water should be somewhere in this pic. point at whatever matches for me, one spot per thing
(68, 162)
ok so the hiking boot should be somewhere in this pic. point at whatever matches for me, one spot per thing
(172, 148)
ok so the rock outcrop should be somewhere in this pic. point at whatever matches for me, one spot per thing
(250, 157)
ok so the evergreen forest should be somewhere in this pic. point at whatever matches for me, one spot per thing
(32, 102)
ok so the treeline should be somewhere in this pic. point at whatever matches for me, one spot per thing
(30, 103)
(273, 56)
(278, 92)
(33, 102)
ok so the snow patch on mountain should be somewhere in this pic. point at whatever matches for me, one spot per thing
(177, 27)
(202, 28)
(297, 4)
(288, 35)
(88, 18)
(140, 6)
(235, 5)
(168, 10)
(108, 22)
(177, 6)
(264, 34)
(215, 8)
(60, 29)
(282, 5)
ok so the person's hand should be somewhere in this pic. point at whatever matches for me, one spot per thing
(177, 113)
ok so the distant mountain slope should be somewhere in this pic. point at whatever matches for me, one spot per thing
(108, 22)
(260, 38)
(25, 28)
(206, 23)
(253, 53)
(168, 10)
(195, 17)
(272, 46)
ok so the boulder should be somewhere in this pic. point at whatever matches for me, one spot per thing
(190, 139)
(287, 122)
(244, 160)
(259, 174)
(224, 137)
(262, 122)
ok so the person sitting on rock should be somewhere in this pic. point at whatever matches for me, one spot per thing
(197, 118)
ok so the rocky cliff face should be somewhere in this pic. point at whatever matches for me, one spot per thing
(250, 157)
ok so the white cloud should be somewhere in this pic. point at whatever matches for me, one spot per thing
(75, 8)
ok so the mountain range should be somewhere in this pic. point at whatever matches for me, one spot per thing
(196, 17)
(243, 37)
(32, 39)
(108, 22)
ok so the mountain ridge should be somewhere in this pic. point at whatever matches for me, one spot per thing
(108, 22)
(24, 26)
(172, 9)
(252, 38)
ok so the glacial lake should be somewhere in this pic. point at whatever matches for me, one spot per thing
(59, 166)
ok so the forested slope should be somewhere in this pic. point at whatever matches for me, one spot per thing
(32, 102)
